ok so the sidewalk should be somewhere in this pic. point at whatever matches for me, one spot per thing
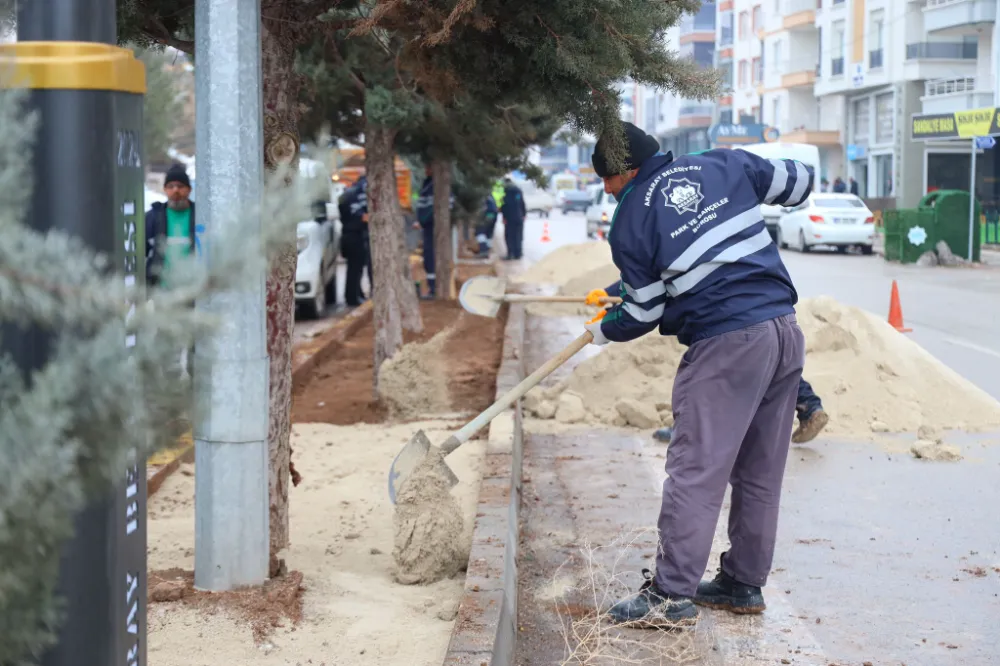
(880, 558)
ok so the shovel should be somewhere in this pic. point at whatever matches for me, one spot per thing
(417, 449)
(483, 295)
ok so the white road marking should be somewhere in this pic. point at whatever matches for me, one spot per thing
(958, 342)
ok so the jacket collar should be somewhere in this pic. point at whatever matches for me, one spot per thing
(652, 165)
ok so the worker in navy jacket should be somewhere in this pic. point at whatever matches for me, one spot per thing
(696, 261)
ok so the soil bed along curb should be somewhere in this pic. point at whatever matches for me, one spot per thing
(340, 391)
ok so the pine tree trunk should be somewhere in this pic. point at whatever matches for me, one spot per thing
(281, 146)
(385, 228)
(409, 304)
(443, 243)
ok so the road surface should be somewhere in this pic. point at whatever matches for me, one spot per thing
(881, 559)
(310, 328)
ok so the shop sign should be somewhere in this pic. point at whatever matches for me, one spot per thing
(957, 125)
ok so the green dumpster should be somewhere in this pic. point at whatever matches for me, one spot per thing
(908, 234)
(951, 210)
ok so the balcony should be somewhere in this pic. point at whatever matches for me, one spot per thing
(837, 66)
(695, 115)
(958, 16)
(799, 15)
(811, 136)
(798, 73)
(942, 51)
(875, 59)
(954, 94)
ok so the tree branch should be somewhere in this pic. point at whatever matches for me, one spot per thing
(159, 33)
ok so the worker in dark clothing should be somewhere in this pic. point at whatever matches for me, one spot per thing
(425, 219)
(354, 243)
(514, 212)
(839, 186)
(697, 262)
(854, 187)
(484, 232)
(170, 228)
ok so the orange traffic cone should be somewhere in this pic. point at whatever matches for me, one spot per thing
(600, 234)
(896, 311)
(545, 233)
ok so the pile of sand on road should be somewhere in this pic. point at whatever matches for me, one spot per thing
(577, 271)
(870, 377)
(567, 262)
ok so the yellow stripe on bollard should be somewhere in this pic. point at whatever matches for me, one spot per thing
(71, 66)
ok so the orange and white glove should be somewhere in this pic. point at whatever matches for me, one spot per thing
(595, 296)
(594, 326)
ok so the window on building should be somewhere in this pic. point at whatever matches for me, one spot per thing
(860, 120)
(775, 56)
(755, 72)
(776, 111)
(744, 70)
(744, 25)
(755, 114)
(876, 30)
(726, 116)
(883, 118)
(757, 20)
(839, 33)
(726, 70)
(725, 28)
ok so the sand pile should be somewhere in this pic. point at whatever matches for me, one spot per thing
(428, 544)
(567, 262)
(870, 378)
(580, 285)
(413, 383)
(342, 540)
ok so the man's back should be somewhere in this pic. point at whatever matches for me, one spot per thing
(694, 226)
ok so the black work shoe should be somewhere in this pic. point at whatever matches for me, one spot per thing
(664, 434)
(652, 608)
(726, 593)
(810, 426)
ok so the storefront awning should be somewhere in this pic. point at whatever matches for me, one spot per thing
(957, 125)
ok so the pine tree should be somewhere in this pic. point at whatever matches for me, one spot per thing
(69, 428)
(161, 107)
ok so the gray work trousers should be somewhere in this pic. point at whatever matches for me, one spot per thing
(734, 405)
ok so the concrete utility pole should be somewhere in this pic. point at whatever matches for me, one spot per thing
(88, 183)
(231, 369)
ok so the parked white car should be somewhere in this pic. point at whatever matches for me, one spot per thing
(316, 272)
(536, 200)
(600, 212)
(838, 220)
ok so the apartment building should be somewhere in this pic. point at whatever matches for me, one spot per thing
(682, 125)
(891, 59)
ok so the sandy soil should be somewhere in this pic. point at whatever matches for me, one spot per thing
(872, 380)
(341, 389)
(342, 540)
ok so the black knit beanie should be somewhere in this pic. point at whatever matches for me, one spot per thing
(639, 147)
(177, 174)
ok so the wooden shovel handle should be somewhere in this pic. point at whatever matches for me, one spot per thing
(511, 396)
(528, 298)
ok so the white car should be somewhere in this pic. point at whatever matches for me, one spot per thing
(837, 220)
(600, 212)
(316, 272)
(536, 200)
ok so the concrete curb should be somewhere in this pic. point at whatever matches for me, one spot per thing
(486, 627)
(305, 357)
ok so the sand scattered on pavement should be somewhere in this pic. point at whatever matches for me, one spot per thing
(414, 383)
(567, 262)
(354, 614)
(871, 379)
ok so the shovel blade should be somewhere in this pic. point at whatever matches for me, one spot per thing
(409, 458)
(483, 295)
